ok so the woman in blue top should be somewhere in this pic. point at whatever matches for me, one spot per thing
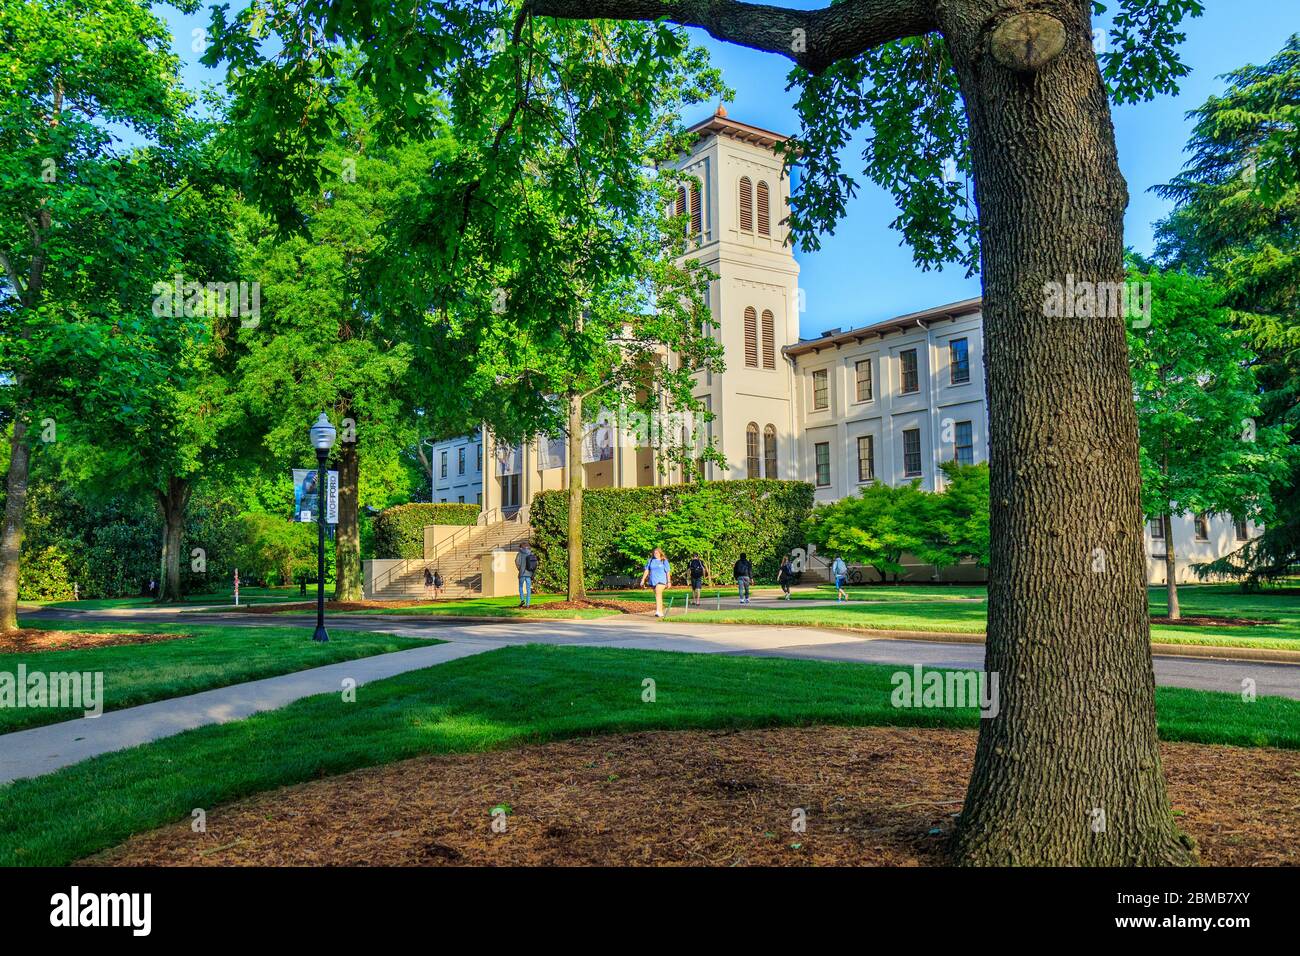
(657, 571)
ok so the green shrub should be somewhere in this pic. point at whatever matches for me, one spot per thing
(399, 531)
(769, 514)
(881, 523)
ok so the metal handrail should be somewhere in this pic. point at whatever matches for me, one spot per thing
(460, 536)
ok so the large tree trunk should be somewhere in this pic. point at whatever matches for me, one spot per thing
(172, 504)
(1068, 771)
(1171, 567)
(347, 533)
(577, 590)
(11, 540)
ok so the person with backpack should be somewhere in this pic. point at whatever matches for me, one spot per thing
(785, 576)
(428, 582)
(526, 563)
(696, 569)
(437, 584)
(744, 573)
(657, 571)
(840, 571)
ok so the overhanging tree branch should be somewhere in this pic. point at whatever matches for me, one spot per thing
(814, 39)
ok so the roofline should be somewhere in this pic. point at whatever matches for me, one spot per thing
(724, 126)
(952, 310)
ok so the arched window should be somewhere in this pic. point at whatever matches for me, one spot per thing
(769, 452)
(769, 339)
(764, 214)
(751, 450)
(697, 212)
(751, 337)
(746, 204)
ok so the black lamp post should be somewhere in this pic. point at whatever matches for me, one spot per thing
(322, 439)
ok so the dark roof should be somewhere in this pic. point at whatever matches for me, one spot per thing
(835, 339)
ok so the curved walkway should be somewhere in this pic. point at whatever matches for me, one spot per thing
(39, 750)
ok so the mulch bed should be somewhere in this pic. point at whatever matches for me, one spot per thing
(874, 796)
(30, 640)
(1205, 620)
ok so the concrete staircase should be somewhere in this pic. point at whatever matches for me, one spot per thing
(460, 562)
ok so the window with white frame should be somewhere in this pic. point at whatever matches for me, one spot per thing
(958, 362)
(912, 452)
(862, 376)
(908, 376)
(866, 458)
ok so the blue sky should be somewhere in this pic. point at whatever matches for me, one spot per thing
(862, 274)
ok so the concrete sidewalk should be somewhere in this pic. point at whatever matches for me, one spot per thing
(30, 753)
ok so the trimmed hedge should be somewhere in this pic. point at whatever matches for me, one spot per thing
(774, 512)
(399, 531)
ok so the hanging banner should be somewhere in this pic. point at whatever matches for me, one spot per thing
(598, 439)
(552, 452)
(510, 459)
(306, 496)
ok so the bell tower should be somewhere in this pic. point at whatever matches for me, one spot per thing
(738, 216)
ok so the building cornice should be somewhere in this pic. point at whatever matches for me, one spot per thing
(953, 310)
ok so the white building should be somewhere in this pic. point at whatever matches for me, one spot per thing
(888, 401)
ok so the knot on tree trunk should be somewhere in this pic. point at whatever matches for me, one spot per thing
(1025, 42)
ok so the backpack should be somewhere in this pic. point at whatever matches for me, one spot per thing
(530, 562)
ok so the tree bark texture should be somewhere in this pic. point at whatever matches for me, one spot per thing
(11, 540)
(577, 589)
(1068, 771)
(1171, 566)
(347, 533)
(172, 504)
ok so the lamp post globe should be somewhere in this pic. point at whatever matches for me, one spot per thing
(322, 439)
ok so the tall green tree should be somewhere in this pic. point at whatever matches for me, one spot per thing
(1014, 92)
(1238, 205)
(1204, 448)
(563, 267)
(324, 342)
(955, 521)
(86, 226)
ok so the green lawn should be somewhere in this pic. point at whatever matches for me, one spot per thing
(213, 656)
(949, 610)
(508, 697)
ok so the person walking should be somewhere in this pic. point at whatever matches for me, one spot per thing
(744, 573)
(437, 584)
(428, 583)
(657, 571)
(696, 569)
(840, 571)
(526, 563)
(785, 576)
